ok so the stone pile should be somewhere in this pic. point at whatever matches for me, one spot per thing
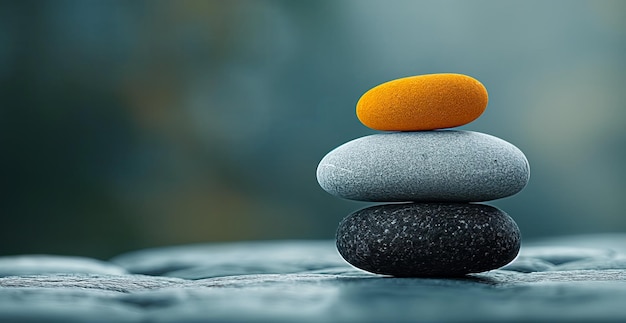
(429, 179)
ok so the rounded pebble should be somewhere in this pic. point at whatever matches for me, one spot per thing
(428, 166)
(428, 239)
(423, 102)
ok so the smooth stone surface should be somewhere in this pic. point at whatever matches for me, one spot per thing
(227, 259)
(337, 292)
(423, 102)
(428, 239)
(428, 166)
(51, 264)
(569, 258)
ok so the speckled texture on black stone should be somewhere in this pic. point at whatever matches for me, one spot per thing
(428, 239)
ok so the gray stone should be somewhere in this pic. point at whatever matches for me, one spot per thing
(51, 264)
(103, 283)
(529, 265)
(611, 243)
(337, 292)
(427, 166)
(560, 255)
(61, 305)
(428, 239)
(226, 259)
(75, 297)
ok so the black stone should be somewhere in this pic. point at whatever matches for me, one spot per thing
(428, 239)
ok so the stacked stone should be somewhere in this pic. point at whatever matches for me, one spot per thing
(438, 229)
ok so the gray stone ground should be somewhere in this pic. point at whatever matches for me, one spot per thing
(581, 278)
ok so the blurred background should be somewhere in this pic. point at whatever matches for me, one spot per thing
(137, 124)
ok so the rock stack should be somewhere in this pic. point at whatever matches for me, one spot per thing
(430, 179)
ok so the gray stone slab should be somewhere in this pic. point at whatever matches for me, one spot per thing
(335, 293)
(236, 258)
(52, 264)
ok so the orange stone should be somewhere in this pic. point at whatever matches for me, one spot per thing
(423, 102)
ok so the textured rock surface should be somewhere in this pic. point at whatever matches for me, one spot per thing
(235, 258)
(50, 264)
(428, 239)
(423, 102)
(446, 165)
(330, 292)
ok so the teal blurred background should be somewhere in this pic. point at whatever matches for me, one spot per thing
(132, 124)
